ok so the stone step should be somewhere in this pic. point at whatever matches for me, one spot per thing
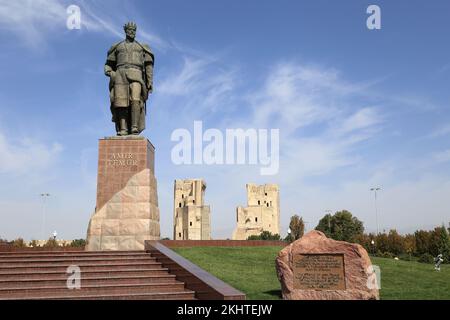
(104, 289)
(105, 275)
(76, 252)
(176, 295)
(76, 255)
(85, 281)
(155, 253)
(164, 260)
(30, 275)
(72, 260)
(86, 266)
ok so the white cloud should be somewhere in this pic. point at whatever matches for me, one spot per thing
(361, 119)
(299, 100)
(310, 106)
(24, 156)
(290, 99)
(30, 20)
(442, 156)
(439, 132)
(323, 121)
(186, 81)
(405, 205)
(36, 21)
(198, 89)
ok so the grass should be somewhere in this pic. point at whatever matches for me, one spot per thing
(252, 271)
(412, 280)
(249, 269)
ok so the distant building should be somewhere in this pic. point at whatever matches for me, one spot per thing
(261, 214)
(191, 215)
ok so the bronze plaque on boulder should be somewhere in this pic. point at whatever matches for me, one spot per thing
(319, 271)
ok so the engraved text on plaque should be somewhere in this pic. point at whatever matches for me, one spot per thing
(319, 271)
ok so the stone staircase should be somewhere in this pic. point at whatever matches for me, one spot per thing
(105, 275)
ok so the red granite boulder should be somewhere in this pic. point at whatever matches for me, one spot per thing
(318, 268)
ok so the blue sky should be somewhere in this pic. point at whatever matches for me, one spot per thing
(355, 108)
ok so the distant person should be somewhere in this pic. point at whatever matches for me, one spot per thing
(438, 261)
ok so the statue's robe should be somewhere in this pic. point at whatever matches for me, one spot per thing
(131, 62)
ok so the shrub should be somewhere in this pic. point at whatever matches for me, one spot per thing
(79, 243)
(426, 258)
(19, 243)
(265, 235)
(51, 243)
(388, 255)
(378, 254)
(33, 243)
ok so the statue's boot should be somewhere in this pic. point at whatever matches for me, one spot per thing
(123, 122)
(135, 115)
(117, 127)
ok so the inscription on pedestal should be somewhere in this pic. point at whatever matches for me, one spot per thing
(122, 159)
(319, 271)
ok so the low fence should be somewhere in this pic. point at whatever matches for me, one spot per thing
(167, 243)
(222, 243)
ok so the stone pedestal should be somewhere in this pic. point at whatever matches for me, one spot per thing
(126, 212)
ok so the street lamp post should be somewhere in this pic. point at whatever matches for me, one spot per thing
(328, 212)
(44, 197)
(305, 223)
(375, 189)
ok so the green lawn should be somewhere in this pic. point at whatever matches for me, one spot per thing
(252, 270)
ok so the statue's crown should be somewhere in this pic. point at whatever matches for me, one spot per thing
(130, 25)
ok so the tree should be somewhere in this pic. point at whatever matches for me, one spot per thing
(33, 243)
(395, 242)
(297, 227)
(382, 243)
(422, 242)
(79, 243)
(325, 225)
(365, 240)
(51, 243)
(439, 242)
(19, 243)
(265, 235)
(341, 226)
(409, 243)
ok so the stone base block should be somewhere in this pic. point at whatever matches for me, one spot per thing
(127, 211)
